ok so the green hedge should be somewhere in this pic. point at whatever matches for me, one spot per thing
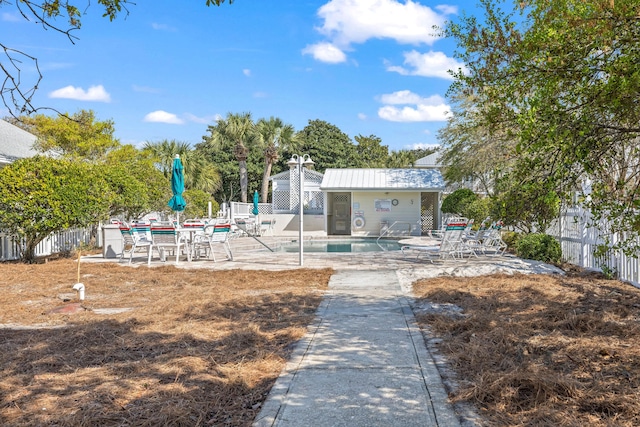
(539, 247)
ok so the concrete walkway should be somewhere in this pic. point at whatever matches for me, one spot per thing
(363, 362)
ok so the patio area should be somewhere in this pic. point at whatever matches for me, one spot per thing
(249, 254)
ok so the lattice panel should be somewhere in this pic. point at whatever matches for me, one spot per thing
(280, 200)
(428, 209)
(314, 201)
(294, 190)
(341, 198)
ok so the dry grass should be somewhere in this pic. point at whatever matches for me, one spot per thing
(196, 347)
(541, 350)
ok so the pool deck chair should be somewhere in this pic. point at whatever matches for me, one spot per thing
(451, 244)
(214, 234)
(165, 238)
(134, 239)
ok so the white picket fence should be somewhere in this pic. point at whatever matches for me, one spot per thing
(579, 241)
(64, 241)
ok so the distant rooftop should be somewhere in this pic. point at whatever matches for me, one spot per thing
(15, 143)
(430, 161)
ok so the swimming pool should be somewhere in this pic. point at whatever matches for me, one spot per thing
(342, 245)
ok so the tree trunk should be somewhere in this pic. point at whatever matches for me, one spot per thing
(244, 181)
(265, 180)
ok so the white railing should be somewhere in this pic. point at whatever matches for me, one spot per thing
(245, 210)
(64, 241)
(579, 241)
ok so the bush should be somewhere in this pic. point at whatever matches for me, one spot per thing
(477, 209)
(539, 247)
(457, 202)
(510, 238)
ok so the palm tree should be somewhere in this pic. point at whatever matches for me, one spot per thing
(239, 129)
(274, 135)
(199, 174)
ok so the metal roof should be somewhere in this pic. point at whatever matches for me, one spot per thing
(15, 143)
(382, 179)
(430, 161)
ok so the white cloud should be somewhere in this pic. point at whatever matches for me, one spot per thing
(10, 17)
(161, 116)
(446, 9)
(430, 64)
(203, 120)
(145, 89)
(362, 116)
(408, 97)
(94, 93)
(325, 52)
(416, 108)
(260, 94)
(246, 72)
(356, 21)
(162, 27)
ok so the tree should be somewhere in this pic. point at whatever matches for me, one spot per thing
(79, 136)
(559, 80)
(327, 145)
(273, 136)
(16, 97)
(199, 173)
(40, 196)
(142, 186)
(401, 159)
(198, 204)
(457, 202)
(470, 151)
(370, 153)
(239, 130)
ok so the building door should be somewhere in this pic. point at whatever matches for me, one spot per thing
(341, 210)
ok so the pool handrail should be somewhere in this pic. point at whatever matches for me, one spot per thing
(388, 229)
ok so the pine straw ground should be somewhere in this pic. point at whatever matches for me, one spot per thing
(539, 350)
(200, 348)
(196, 347)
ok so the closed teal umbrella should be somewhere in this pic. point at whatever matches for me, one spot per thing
(177, 202)
(256, 199)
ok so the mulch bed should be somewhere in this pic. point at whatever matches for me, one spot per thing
(147, 347)
(539, 350)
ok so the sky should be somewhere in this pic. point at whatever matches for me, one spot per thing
(169, 69)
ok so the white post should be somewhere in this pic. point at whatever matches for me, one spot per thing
(301, 161)
(301, 208)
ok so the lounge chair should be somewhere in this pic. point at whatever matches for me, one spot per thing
(492, 241)
(450, 245)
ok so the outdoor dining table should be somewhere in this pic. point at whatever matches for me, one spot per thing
(188, 233)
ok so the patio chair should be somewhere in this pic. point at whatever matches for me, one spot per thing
(214, 234)
(492, 241)
(473, 240)
(134, 240)
(450, 245)
(267, 226)
(165, 238)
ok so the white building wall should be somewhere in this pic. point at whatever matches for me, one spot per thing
(406, 213)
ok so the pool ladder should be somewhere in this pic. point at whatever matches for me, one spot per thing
(390, 229)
